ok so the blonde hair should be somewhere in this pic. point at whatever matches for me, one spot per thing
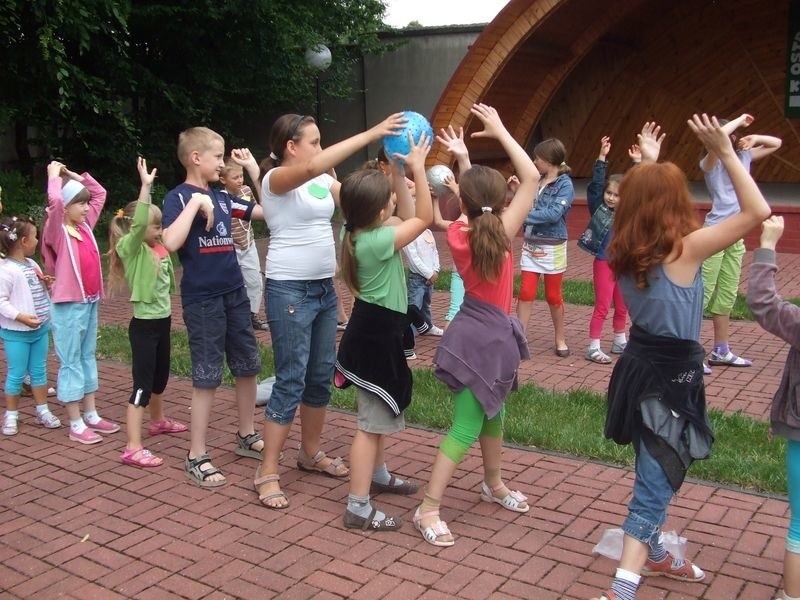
(196, 139)
(119, 227)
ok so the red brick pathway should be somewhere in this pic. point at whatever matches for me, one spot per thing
(76, 523)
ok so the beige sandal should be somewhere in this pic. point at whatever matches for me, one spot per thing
(265, 498)
(336, 468)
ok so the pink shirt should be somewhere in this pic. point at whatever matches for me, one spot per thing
(497, 292)
(89, 259)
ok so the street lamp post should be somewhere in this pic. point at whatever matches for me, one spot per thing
(318, 58)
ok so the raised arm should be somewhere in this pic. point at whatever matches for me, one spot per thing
(243, 158)
(514, 214)
(702, 243)
(410, 229)
(710, 160)
(760, 145)
(594, 191)
(454, 143)
(288, 177)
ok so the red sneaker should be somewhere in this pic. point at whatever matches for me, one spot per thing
(686, 572)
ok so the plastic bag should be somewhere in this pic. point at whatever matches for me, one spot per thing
(264, 391)
(610, 545)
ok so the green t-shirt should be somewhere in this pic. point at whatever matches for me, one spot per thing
(161, 306)
(380, 269)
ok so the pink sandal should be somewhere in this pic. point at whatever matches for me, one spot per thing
(433, 533)
(139, 457)
(166, 425)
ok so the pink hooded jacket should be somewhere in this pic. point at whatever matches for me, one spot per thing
(59, 249)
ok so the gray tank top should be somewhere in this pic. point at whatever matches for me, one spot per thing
(665, 308)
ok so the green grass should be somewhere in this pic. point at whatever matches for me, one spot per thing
(569, 423)
(581, 292)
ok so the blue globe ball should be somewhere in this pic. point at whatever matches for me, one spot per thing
(417, 125)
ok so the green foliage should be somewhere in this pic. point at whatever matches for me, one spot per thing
(94, 82)
(570, 423)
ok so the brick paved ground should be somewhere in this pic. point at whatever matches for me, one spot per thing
(76, 523)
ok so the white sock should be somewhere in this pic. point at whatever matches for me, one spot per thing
(619, 338)
(594, 344)
(788, 597)
(14, 414)
(91, 417)
(42, 409)
(77, 425)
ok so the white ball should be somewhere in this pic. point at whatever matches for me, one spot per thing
(436, 176)
(318, 57)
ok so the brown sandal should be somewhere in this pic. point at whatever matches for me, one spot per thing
(335, 468)
(264, 498)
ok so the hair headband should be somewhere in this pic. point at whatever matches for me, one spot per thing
(71, 189)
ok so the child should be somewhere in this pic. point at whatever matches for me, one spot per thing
(602, 202)
(232, 179)
(722, 271)
(544, 251)
(481, 375)
(782, 319)
(656, 394)
(371, 350)
(138, 257)
(70, 253)
(216, 311)
(423, 271)
(24, 321)
(299, 197)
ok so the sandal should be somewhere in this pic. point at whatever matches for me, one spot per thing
(265, 498)
(192, 468)
(353, 521)
(607, 595)
(407, 488)
(597, 356)
(433, 533)
(513, 501)
(139, 457)
(166, 425)
(244, 445)
(335, 468)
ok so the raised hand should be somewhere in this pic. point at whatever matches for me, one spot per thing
(145, 177)
(450, 183)
(650, 141)
(453, 142)
(492, 124)
(605, 147)
(748, 142)
(54, 169)
(771, 231)
(710, 133)
(243, 157)
(391, 125)
(635, 153)
(415, 159)
(513, 184)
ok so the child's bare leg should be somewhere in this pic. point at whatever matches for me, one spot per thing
(791, 574)
(312, 421)
(246, 402)
(156, 407)
(557, 314)
(441, 474)
(133, 423)
(202, 401)
(12, 402)
(39, 393)
(363, 458)
(88, 402)
(73, 410)
(274, 435)
(524, 310)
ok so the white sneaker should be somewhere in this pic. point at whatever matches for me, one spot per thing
(49, 420)
(412, 356)
(9, 425)
(437, 331)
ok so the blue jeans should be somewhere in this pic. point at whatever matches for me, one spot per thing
(652, 492)
(75, 342)
(420, 294)
(302, 323)
(26, 352)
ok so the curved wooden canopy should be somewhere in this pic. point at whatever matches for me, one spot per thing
(581, 69)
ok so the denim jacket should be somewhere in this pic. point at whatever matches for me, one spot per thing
(596, 237)
(548, 219)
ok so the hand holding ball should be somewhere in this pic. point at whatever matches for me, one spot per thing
(437, 175)
(416, 125)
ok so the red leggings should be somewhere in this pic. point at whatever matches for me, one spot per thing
(552, 287)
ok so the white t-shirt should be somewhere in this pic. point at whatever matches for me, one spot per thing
(301, 243)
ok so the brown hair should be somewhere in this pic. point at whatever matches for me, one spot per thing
(362, 197)
(286, 127)
(118, 227)
(482, 188)
(196, 139)
(553, 151)
(655, 213)
(12, 230)
(230, 165)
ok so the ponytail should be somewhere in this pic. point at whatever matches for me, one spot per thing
(119, 226)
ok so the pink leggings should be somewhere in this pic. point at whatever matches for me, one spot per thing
(606, 288)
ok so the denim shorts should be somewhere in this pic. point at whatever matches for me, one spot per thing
(218, 325)
(652, 492)
(302, 323)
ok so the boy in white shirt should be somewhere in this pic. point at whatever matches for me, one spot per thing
(423, 271)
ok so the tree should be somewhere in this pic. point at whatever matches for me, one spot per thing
(98, 80)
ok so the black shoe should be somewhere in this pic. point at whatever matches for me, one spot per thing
(258, 324)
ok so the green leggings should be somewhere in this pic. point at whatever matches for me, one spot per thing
(469, 423)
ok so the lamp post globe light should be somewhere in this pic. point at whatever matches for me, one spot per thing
(318, 58)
